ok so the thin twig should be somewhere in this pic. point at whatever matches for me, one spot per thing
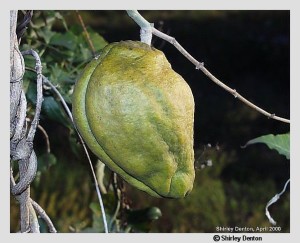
(45, 135)
(86, 34)
(37, 208)
(200, 65)
(33, 221)
(117, 193)
(100, 176)
(44, 216)
(46, 138)
(46, 81)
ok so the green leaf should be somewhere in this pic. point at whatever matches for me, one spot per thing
(68, 40)
(45, 161)
(280, 142)
(59, 75)
(54, 111)
(98, 41)
(143, 215)
(30, 87)
(60, 17)
(46, 34)
(140, 220)
(76, 147)
(97, 226)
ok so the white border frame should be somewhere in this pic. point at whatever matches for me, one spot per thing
(291, 5)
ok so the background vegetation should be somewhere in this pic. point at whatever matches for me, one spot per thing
(248, 50)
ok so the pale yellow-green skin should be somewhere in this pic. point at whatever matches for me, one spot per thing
(137, 115)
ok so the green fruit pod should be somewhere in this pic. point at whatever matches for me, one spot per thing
(136, 114)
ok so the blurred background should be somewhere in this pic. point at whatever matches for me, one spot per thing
(247, 50)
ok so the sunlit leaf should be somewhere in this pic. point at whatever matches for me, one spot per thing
(280, 142)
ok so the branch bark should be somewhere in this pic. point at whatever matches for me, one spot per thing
(17, 113)
(16, 71)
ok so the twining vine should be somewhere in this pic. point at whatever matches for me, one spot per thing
(21, 138)
(21, 146)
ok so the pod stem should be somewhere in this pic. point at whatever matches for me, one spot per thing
(146, 27)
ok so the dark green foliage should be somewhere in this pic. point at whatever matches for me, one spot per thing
(63, 52)
(140, 220)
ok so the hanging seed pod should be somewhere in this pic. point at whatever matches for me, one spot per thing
(137, 115)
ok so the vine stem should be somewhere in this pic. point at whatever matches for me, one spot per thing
(21, 147)
(142, 22)
(39, 82)
(46, 138)
(46, 81)
(44, 216)
(37, 207)
(273, 200)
